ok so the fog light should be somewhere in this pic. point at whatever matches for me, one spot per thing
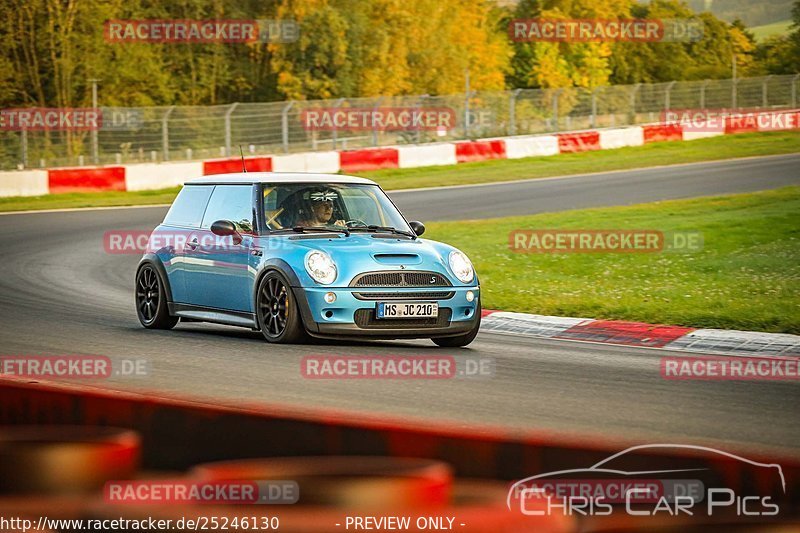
(330, 297)
(470, 296)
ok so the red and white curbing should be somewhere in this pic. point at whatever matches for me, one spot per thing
(712, 341)
(137, 177)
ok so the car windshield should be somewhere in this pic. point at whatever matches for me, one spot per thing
(334, 206)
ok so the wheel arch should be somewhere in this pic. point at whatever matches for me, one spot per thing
(283, 268)
(155, 261)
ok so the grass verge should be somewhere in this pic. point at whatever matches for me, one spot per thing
(747, 275)
(665, 153)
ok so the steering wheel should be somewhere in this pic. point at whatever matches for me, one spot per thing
(356, 223)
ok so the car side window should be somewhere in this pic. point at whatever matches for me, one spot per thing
(231, 202)
(187, 209)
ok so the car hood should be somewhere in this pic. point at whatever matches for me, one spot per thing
(367, 252)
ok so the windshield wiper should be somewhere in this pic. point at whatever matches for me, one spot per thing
(390, 229)
(301, 229)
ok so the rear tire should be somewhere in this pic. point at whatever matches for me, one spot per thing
(277, 312)
(460, 341)
(151, 299)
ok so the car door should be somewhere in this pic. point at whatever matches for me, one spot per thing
(182, 220)
(218, 269)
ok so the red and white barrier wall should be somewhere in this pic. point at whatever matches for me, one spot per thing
(137, 177)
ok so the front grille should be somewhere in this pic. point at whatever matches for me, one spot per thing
(404, 295)
(400, 279)
(365, 319)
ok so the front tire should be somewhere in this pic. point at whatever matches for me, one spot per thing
(277, 312)
(151, 300)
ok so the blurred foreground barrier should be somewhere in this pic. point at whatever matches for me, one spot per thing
(65, 459)
(178, 435)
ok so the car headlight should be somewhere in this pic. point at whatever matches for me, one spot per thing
(461, 266)
(320, 267)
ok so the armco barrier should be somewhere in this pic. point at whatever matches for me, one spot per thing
(369, 159)
(425, 155)
(581, 141)
(24, 183)
(480, 150)
(621, 137)
(531, 146)
(62, 180)
(234, 164)
(149, 176)
(662, 132)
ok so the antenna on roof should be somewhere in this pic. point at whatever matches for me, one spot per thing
(244, 168)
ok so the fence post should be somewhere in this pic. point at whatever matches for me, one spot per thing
(334, 134)
(374, 127)
(228, 128)
(24, 147)
(794, 90)
(419, 107)
(512, 111)
(594, 107)
(667, 95)
(765, 92)
(555, 108)
(734, 91)
(165, 132)
(634, 92)
(703, 94)
(285, 126)
(466, 104)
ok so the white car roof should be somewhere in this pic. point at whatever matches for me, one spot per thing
(278, 177)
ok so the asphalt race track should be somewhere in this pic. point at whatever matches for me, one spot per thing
(60, 293)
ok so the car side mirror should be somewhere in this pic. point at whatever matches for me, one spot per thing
(417, 226)
(223, 228)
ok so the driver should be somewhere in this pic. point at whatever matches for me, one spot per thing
(318, 208)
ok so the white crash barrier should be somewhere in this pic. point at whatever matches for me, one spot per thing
(620, 137)
(24, 183)
(324, 162)
(426, 155)
(289, 163)
(531, 146)
(692, 135)
(148, 176)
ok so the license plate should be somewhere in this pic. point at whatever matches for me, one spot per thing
(408, 310)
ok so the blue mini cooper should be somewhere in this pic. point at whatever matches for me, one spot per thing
(298, 254)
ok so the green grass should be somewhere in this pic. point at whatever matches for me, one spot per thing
(665, 153)
(747, 275)
(88, 199)
(768, 30)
